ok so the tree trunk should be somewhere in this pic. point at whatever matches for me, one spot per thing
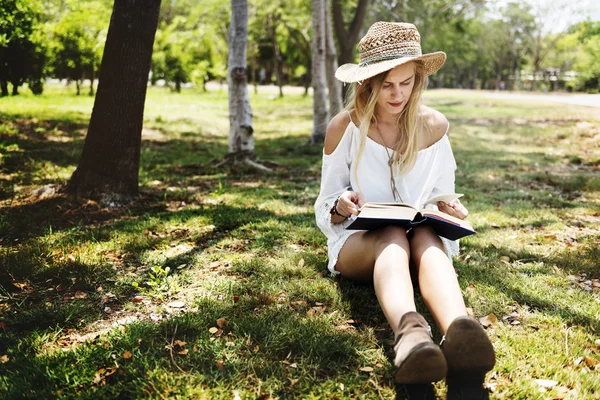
(241, 133)
(109, 165)
(78, 86)
(277, 58)
(333, 85)
(347, 38)
(318, 73)
(3, 88)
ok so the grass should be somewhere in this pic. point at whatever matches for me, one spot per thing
(213, 285)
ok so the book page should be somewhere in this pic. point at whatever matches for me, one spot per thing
(388, 211)
(446, 198)
(447, 218)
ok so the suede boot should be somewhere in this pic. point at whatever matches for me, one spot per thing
(418, 359)
(469, 354)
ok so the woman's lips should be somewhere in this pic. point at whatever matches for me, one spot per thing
(395, 104)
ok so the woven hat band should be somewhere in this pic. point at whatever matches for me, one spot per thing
(391, 51)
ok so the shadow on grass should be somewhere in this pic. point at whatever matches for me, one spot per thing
(505, 278)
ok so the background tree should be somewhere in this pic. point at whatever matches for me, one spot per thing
(109, 166)
(347, 37)
(22, 51)
(78, 42)
(319, 84)
(334, 87)
(241, 132)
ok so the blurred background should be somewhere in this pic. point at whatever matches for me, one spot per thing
(533, 45)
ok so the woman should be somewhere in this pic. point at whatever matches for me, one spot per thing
(385, 147)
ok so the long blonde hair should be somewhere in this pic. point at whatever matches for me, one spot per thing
(362, 100)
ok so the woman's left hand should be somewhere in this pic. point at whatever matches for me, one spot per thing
(454, 208)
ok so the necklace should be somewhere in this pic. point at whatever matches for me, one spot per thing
(395, 192)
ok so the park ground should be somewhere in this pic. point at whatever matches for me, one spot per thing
(213, 284)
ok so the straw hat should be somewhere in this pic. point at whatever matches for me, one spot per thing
(385, 46)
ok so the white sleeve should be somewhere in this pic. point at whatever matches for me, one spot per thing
(335, 180)
(445, 180)
(445, 184)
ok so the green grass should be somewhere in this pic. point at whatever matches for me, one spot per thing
(86, 293)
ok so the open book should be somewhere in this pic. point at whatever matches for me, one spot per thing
(378, 215)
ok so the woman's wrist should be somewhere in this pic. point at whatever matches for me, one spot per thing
(333, 210)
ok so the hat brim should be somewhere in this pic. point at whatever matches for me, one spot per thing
(350, 73)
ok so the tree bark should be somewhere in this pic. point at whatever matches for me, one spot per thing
(333, 85)
(109, 166)
(318, 74)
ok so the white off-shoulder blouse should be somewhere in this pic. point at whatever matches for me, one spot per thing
(432, 174)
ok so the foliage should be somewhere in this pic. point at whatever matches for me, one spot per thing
(79, 39)
(190, 44)
(22, 47)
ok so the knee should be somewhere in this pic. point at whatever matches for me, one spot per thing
(423, 238)
(392, 235)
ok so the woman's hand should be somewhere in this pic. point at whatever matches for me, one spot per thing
(454, 208)
(349, 203)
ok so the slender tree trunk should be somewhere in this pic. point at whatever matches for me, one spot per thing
(109, 165)
(318, 74)
(241, 133)
(333, 85)
(78, 86)
(92, 78)
(278, 59)
(3, 88)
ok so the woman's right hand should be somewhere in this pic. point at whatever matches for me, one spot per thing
(350, 203)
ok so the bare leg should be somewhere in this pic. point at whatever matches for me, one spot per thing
(381, 256)
(437, 278)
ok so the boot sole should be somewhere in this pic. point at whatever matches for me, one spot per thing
(468, 349)
(425, 364)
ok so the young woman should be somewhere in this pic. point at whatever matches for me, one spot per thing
(386, 146)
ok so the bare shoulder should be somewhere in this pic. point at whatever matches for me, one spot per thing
(335, 131)
(436, 124)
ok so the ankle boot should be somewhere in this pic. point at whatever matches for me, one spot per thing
(418, 359)
(469, 355)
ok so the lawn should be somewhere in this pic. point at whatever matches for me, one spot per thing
(214, 284)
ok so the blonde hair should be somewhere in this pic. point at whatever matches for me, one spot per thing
(362, 100)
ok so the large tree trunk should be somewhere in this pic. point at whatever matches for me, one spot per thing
(109, 165)
(333, 85)
(241, 133)
(318, 73)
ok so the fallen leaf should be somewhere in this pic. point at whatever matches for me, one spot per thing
(590, 361)
(256, 348)
(127, 355)
(488, 320)
(213, 330)
(221, 322)
(183, 352)
(598, 343)
(471, 289)
(4, 359)
(505, 260)
(179, 343)
(176, 304)
(301, 263)
(219, 365)
(80, 295)
(236, 299)
(138, 299)
(546, 383)
(293, 365)
(366, 369)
